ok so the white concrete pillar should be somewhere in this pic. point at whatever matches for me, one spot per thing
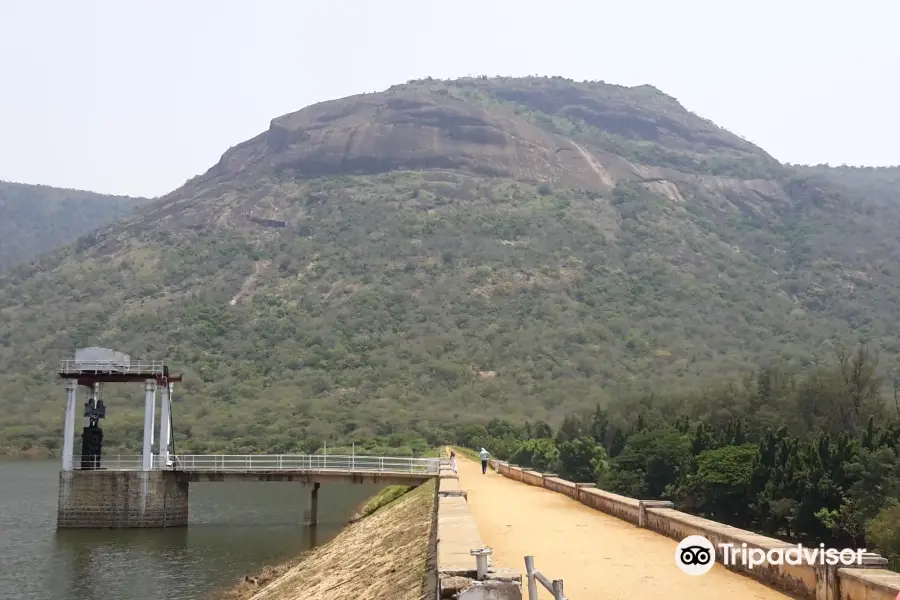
(149, 403)
(165, 395)
(153, 421)
(69, 431)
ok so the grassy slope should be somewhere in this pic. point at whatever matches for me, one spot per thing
(381, 499)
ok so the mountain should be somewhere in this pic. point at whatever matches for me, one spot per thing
(35, 219)
(454, 250)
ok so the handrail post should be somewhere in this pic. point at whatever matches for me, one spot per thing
(532, 583)
(535, 577)
(558, 590)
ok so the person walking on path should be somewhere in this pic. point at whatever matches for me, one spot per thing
(485, 455)
(453, 462)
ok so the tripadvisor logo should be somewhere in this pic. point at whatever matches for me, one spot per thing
(696, 555)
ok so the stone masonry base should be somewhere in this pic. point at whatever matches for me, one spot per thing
(113, 499)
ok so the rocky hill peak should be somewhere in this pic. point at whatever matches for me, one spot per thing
(491, 245)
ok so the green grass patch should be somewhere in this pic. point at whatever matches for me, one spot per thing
(382, 498)
(467, 453)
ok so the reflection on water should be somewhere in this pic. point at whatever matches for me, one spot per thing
(235, 528)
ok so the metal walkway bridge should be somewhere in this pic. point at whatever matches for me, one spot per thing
(119, 491)
(287, 467)
(152, 489)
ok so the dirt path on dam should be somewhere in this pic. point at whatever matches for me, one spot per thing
(597, 556)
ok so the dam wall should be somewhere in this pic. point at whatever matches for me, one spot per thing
(868, 581)
(457, 537)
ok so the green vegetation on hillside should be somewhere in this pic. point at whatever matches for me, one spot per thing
(35, 219)
(397, 302)
(880, 186)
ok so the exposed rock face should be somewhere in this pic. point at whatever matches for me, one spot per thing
(376, 133)
(638, 113)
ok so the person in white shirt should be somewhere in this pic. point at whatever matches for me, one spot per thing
(453, 461)
(485, 455)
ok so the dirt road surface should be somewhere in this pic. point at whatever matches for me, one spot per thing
(597, 556)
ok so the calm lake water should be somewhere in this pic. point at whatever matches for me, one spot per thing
(235, 528)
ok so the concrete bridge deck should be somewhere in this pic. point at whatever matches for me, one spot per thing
(598, 556)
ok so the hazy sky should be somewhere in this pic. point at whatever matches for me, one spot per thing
(135, 97)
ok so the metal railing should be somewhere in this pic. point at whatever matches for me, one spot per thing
(70, 366)
(555, 587)
(113, 462)
(273, 462)
(304, 462)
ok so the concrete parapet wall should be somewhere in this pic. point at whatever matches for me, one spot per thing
(457, 536)
(114, 499)
(678, 525)
(560, 485)
(449, 486)
(627, 509)
(802, 581)
(868, 584)
(533, 478)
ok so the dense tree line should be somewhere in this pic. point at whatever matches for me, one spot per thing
(809, 458)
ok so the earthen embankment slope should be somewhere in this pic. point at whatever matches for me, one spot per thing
(381, 556)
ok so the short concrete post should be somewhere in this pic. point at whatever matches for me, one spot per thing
(149, 402)
(828, 580)
(581, 486)
(69, 431)
(645, 504)
(481, 561)
(871, 560)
